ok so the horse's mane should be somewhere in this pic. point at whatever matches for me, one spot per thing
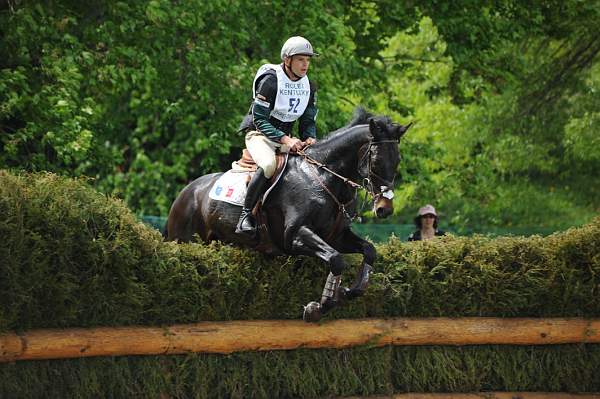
(360, 116)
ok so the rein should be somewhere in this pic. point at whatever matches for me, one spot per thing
(367, 187)
(316, 164)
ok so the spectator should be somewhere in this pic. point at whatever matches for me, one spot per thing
(426, 222)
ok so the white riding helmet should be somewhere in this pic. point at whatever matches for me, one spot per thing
(297, 45)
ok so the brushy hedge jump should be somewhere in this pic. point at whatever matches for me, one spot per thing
(71, 257)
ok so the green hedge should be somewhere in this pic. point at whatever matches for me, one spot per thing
(70, 257)
(310, 373)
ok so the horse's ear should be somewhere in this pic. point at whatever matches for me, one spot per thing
(403, 129)
(374, 128)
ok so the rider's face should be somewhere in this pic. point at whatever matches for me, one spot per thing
(298, 64)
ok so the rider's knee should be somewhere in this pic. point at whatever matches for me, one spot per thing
(269, 168)
(337, 264)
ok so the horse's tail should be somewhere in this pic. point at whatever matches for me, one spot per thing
(165, 232)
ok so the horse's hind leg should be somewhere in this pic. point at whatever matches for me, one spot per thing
(179, 223)
(307, 242)
(179, 226)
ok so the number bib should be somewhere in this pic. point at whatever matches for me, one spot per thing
(292, 96)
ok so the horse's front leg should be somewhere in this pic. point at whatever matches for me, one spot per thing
(307, 242)
(349, 242)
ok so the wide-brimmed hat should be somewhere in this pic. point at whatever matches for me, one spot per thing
(427, 210)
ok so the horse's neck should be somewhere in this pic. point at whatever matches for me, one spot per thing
(341, 152)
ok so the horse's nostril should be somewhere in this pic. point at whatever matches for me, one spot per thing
(382, 212)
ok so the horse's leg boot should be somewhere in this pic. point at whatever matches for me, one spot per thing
(360, 283)
(330, 296)
(329, 300)
(247, 225)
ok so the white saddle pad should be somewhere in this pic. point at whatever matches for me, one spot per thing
(231, 187)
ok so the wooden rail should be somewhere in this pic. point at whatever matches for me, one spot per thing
(266, 335)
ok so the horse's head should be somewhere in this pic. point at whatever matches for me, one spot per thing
(379, 162)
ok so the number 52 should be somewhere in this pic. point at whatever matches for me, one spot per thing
(294, 102)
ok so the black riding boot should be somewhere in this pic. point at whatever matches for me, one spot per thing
(247, 225)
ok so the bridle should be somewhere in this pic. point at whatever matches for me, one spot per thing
(368, 179)
(367, 184)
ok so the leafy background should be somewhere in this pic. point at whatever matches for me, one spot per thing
(144, 96)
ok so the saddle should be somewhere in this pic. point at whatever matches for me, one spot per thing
(247, 164)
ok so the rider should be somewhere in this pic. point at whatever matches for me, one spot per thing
(282, 94)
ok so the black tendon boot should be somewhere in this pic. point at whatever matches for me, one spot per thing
(247, 225)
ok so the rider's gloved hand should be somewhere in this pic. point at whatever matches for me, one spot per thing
(293, 143)
(310, 141)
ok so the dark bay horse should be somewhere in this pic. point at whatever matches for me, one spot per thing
(309, 210)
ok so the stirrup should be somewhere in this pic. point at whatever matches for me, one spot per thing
(246, 218)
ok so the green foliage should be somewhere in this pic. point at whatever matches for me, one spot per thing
(485, 156)
(581, 132)
(146, 95)
(311, 373)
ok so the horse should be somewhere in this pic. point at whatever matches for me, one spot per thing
(310, 209)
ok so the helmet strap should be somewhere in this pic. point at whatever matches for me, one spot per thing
(289, 68)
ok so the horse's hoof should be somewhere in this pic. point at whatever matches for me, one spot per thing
(354, 293)
(312, 312)
(343, 295)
